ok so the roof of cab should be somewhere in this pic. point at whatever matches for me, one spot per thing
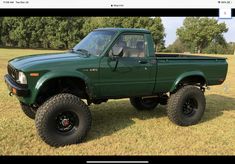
(125, 30)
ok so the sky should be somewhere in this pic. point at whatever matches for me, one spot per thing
(172, 23)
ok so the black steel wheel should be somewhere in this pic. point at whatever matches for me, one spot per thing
(62, 120)
(186, 106)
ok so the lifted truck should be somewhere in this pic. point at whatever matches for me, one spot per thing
(109, 63)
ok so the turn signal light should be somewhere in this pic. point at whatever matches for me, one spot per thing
(34, 74)
(14, 90)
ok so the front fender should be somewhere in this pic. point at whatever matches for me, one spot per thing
(184, 75)
(57, 74)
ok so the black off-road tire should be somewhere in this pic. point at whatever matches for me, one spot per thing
(28, 110)
(49, 126)
(144, 104)
(186, 106)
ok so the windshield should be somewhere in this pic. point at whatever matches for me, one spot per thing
(95, 42)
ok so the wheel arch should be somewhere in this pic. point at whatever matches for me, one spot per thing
(46, 78)
(192, 78)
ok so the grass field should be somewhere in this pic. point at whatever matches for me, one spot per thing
(118, 129)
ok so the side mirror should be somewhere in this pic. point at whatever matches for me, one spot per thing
(117, 51)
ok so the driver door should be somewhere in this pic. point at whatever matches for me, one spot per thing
(134, 75)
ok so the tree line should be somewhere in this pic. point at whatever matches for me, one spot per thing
(197, 34)
(65, 32)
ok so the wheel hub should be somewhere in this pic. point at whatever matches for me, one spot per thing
(189, 107)
(66, 121)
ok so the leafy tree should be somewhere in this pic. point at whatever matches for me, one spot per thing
(48, 37)
(1, 18)
(27, 32)
(92, 23)
(198, 32)
(215, 48)
(233, 48)
(7, 34)
(157, 29)
(177, 47)
(67, 33)
(35, 29)
(74, 32)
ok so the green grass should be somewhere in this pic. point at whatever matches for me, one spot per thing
(118, 129)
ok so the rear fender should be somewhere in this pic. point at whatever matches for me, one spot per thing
(185, 75)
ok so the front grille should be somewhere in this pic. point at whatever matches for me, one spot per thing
(12, 72)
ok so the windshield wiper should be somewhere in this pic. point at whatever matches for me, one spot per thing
(85, 52)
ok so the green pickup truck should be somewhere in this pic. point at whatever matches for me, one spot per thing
(109, 63)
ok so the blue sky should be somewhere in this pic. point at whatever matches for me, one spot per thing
(172, 23)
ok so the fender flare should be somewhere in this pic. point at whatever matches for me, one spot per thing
(57, 74)
(185, 75)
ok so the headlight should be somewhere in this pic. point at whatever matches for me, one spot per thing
(21, 78)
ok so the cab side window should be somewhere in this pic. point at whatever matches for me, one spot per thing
(133, 45)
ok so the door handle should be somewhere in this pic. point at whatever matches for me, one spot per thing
(143, 61)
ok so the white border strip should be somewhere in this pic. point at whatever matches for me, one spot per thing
(116, 3)
(117, 161)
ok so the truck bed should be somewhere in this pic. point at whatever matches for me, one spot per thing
(171, 68)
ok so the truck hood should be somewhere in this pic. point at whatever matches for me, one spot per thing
(25, 61)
